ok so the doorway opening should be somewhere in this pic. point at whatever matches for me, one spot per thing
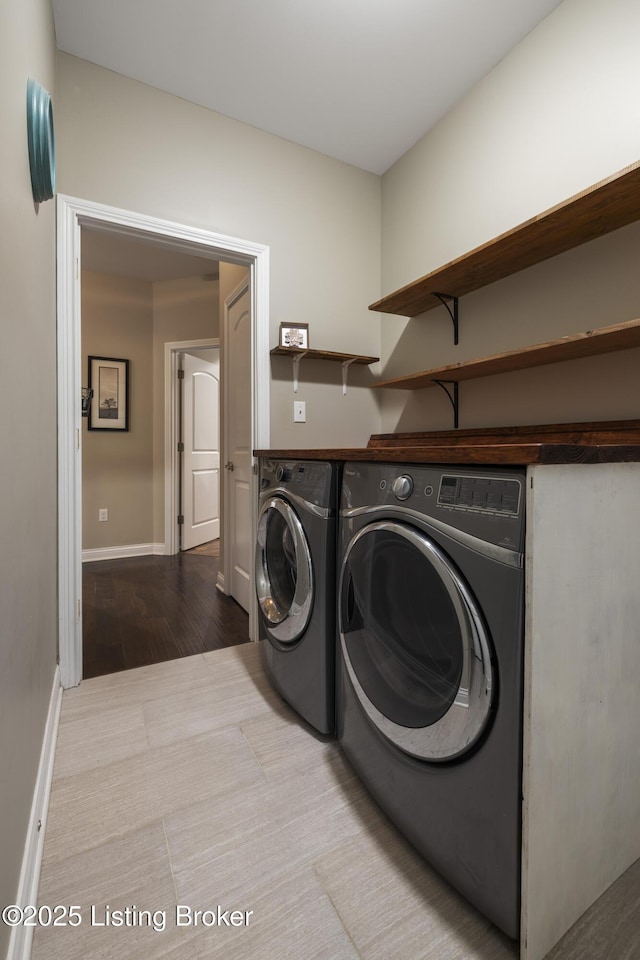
(74, 215)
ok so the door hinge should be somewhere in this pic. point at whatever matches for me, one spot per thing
(180, 520)
(180, 447)
(180, 374)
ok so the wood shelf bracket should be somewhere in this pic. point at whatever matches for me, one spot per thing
(345, 369)
(452, 395)
(445, 298)
(296, 364)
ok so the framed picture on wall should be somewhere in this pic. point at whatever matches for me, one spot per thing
(109, 380)
(294, 335)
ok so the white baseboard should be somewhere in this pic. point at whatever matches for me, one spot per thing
(21, 936)
(124, 551)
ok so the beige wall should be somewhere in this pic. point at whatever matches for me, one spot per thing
(124, 471)
(555, 116)
(125, 144)
(117, 466)
(28, 587)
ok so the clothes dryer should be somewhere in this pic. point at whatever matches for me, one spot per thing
(429, 705)
(295, 584)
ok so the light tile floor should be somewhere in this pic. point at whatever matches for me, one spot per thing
(192, 783)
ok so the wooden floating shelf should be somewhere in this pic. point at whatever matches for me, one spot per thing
(606, 206)
(346, 359)
(622, 336)
(323, 355)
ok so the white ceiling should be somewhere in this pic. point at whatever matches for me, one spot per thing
(358, 80)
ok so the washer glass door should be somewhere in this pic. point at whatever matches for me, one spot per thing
(284, 576)
(414, 642)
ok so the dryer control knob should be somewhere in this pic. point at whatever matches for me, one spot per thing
(402, 487)
(283, 474)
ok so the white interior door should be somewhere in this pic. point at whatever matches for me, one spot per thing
(238, 550)
(201, 454)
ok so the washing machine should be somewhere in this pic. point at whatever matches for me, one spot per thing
(430, 687)
(296, 584)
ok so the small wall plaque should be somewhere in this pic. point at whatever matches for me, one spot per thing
(294, 335)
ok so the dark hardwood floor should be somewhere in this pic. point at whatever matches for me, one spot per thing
(147, 609)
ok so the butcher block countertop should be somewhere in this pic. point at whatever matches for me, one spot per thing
(593, 442)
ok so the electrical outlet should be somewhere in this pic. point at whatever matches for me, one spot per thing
(299, 411)
(103, 514)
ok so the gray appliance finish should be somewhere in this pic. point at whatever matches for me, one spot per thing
(429, 685)
(295, 584)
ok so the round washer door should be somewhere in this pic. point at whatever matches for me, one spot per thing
(414, 642)
(284, 573)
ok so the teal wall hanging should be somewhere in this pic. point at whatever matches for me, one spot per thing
(42, 150)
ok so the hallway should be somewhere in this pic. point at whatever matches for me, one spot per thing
(145, 610)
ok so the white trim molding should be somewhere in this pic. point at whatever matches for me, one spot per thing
(123, 551)
(21, 936)
(73, 214)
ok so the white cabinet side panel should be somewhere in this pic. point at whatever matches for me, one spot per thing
(581, 826)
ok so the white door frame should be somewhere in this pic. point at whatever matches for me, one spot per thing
(171, 433)
(72, 214)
